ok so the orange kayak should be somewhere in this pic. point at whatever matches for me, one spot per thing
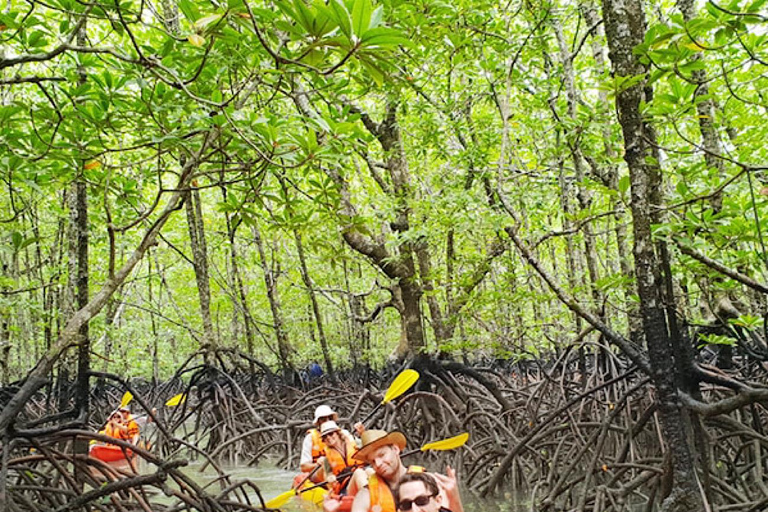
(109, 453)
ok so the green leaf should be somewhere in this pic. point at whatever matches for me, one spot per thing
(304, 16)
(361, 16)
(755, 6)
(203, 22)
(384, 37)
(37, 39)
(189, 9)
(624, 183)
(373, 71)
(716, 339)
(376, 17)
(338, 12)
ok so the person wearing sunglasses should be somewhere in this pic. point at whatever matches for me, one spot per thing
(313, 449)
(418, 492)
(421, 492)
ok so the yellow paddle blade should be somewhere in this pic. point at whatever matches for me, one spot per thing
(127, 397)
(447, 444)
(176, 400)
(401, 384)
(316, 495)
(280, 500)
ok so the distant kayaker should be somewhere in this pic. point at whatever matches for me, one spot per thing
(112, 428)
(422, 491)
(313, 448)
(125, 427)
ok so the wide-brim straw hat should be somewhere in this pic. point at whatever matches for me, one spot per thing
(374, 439)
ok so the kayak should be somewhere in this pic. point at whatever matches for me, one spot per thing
(317, 495)
(109, 453)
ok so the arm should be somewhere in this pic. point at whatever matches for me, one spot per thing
(362, 501)
(450, 486)
(305, 462)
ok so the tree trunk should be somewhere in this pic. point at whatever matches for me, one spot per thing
(82, 391)
(236, 282)
(610, 175)
(284, 349)
(625, 28)
(200, 260)
(313, 299)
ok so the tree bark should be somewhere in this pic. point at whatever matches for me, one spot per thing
(284, 349)
(315, 306)
(625, 29)
(200, 261)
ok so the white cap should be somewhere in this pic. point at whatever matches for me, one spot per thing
(329, 427)
(323, 411)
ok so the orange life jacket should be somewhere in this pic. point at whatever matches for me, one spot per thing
(381, 495)
(337, 461)
(318, 446)
(133, 428)
(114, 431)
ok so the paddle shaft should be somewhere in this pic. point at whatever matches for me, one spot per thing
(310, 475)
(370, 414)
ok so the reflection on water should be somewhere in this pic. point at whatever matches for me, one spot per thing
(272, 481)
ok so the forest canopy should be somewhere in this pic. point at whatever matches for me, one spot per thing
(339, 181)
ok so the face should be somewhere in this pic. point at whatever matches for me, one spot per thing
(386, 461)
(125, 414)
(333, 439)
(323, 419)
(414, 493)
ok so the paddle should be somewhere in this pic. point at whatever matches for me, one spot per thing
(127, 397)
(444, 444)
(176, 400)
(400, 385)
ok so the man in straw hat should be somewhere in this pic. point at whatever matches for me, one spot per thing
(382, 451)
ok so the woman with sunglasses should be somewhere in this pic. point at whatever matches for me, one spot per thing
(420, 492)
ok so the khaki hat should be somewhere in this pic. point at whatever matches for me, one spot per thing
(329, 427)
(373, 439)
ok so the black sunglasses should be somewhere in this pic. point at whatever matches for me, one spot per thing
(420, 501)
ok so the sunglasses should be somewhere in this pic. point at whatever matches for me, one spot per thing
(421, 501)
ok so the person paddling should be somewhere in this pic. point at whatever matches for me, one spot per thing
(313, 448)
(338, 455)
(129, 427)
(121, 425)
